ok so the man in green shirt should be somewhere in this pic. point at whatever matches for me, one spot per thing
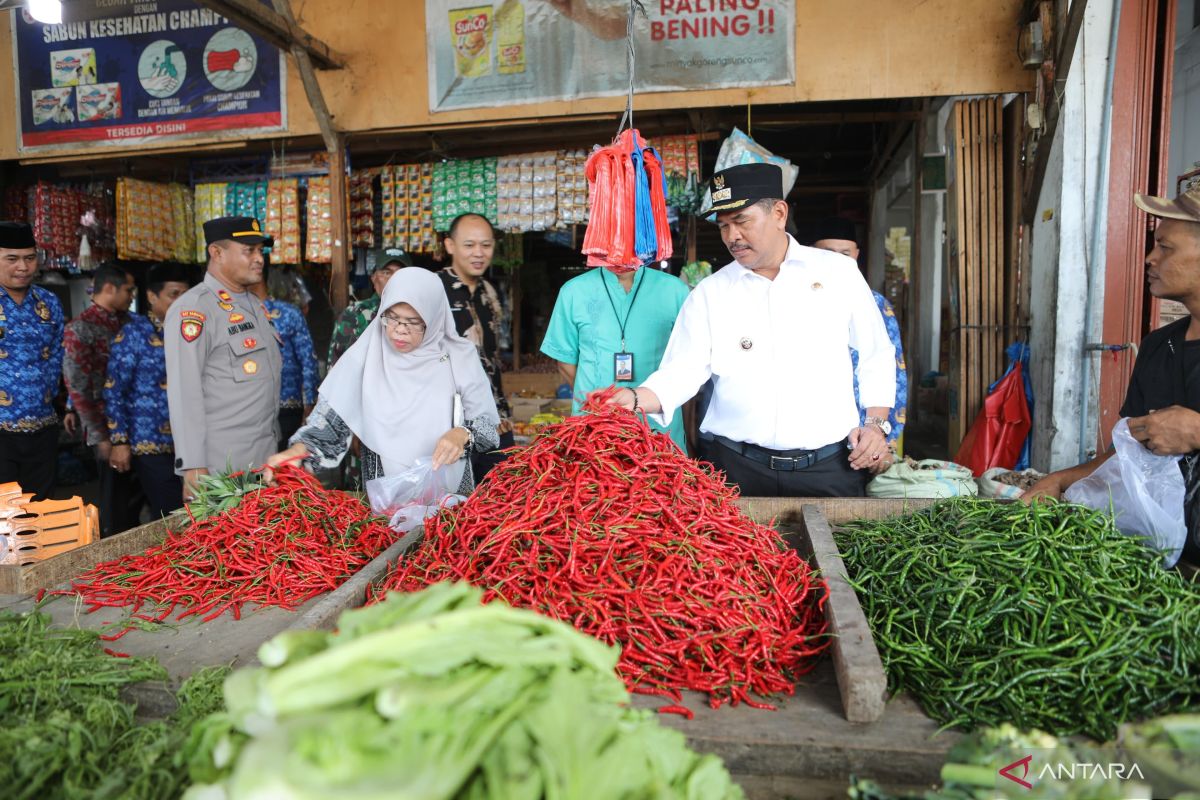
(611, 329)
(381, 265)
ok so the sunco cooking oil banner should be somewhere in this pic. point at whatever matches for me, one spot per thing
(155, 71)
(524, 51)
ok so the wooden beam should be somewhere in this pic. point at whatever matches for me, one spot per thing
(281, 31)
(339, 278)
(1062, 67)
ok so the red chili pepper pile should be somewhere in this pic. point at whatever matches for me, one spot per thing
(606, 525)
(280, 547)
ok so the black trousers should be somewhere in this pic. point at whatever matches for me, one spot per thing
(162, 487)
(482, 463)
(832, 477)
(30, 459)
(290, 420)
(121, 500)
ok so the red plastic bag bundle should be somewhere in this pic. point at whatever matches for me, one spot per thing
(999, 432)
(614, 180)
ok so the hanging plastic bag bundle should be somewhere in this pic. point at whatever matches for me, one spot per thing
(628, 224)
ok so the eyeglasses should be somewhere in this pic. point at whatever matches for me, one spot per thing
(403, 324)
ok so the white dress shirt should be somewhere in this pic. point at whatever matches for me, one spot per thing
(779, 352)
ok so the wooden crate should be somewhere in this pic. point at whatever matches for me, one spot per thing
(47, 574)
(807, 525)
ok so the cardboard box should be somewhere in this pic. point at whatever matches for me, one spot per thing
(524, 408)
(534, 384)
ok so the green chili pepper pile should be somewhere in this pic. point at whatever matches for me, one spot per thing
(1044, 616)
(65, 732)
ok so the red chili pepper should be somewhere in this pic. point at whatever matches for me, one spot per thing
(604, 524)
(223, 562)
(116, 654)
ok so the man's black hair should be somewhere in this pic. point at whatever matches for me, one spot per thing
(160, 275)
(454, 223)
(108, 275)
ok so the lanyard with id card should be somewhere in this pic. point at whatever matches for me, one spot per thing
(622, 361)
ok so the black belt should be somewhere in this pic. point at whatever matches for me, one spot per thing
(781, 460)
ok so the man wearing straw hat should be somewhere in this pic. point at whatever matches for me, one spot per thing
(1163, 398)
(774, 330)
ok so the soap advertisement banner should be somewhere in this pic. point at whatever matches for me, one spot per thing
(528, 51)
(172, 70)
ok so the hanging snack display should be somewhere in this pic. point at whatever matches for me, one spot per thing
(362, 207)
(183, 218)
(319, 246)
(461, 187)
(209, 204)
(681, 163)
(283, 220)
(406, 197)
(246, 199)
(572, 187)
(627, 192)
(147, 229)
(527, 192)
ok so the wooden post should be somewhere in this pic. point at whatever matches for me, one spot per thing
(339, 190)
(515, 291)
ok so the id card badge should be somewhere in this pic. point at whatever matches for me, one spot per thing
(622, 366)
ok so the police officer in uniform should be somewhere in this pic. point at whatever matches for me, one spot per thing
(223, 360)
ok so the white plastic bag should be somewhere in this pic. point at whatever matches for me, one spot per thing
(1143, 491)
(739, 148)
(418, 492)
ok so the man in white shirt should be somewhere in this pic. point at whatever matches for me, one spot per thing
(774, 330)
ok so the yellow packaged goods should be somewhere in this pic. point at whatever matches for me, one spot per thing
(283, 220)
(183, 217)
(319, 247)
(146, 223)
(471, 30)
(510, 37)
(209, 204)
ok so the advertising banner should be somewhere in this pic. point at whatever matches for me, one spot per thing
(527, 51)
(171, 70)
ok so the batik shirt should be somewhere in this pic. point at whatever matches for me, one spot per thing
(87, 340)
(899, 413)
(298, 381)
(31, 357)
(135, 393)
(350, 325)
(477, 318)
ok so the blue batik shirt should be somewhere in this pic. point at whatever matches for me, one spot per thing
(31, 359)
(135, 389)
(298, 384)
(899, 413)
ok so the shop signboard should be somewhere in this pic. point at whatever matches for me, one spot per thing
(164, 70)
(528, 51)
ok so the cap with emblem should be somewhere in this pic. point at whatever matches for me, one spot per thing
(380, 257)
(16, 236)
(246, 230)
(1185, 207)
(745, 184)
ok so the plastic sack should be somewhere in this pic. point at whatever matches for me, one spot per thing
(997, 437)
(739, 148)
(926, 479)
(418, 492)
(991, 487)
(1144, 492)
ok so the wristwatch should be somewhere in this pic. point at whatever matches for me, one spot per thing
(880, 422)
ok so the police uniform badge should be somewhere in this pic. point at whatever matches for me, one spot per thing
(250, 343)
(225, 296)
(225, 306)
(250, 367)
(236, 317)
(191, 325)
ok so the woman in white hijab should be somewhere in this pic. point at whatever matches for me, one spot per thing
(396, 390)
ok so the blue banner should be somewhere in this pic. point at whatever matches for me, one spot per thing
(171, 70)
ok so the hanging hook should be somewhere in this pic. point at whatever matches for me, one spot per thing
(635, 7)
(749, 125)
